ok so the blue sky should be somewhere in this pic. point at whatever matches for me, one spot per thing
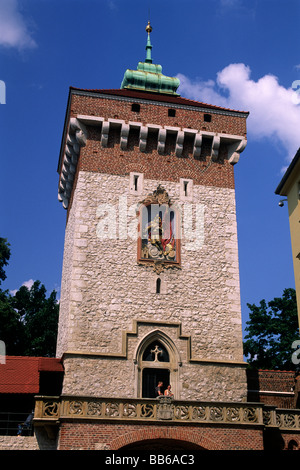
(243, 54)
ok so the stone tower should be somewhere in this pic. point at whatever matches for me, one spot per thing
(150, 283)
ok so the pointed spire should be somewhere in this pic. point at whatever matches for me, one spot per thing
(148, 46)
(148, 76)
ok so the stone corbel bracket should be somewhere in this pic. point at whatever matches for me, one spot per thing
(76, 138)
(235, 150)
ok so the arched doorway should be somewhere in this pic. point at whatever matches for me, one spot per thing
(162, 445)
(157, 360)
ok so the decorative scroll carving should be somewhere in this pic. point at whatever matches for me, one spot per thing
(129, 410)
(76, 408)
(250, 415)
(51, 409)
(199, 413)
(112, 410)
(216, 413)
(267, 417)
(182, 412)
(147, 411)
(287, 420)
(94, 409)
(233, 415)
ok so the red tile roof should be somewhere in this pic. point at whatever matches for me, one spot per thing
(21, 374)
(156, 97)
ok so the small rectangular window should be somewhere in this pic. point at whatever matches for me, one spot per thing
(207, 117)
(172, 112)
(135, 107)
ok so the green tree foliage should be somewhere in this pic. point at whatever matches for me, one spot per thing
(271, 331)
(29, 319)
(39, 317)
(4, 257)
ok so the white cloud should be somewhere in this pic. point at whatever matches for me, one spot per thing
(27, 284)
(14, 31)
(274, 109)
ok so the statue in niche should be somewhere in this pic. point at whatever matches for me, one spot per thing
(158, 227)
(158, 240)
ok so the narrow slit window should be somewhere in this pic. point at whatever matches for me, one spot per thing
(135, 182)
(185, 188)
(158, 285)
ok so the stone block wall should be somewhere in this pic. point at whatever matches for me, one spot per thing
(104, 290)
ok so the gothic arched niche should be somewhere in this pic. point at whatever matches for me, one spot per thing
(157, 360)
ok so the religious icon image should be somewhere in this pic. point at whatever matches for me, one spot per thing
(158, 233)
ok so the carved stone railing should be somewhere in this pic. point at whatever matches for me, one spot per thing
(52, 409)
(285, 419)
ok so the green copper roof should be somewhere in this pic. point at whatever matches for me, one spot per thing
(148, 76)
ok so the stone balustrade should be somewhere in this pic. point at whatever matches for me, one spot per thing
(52, 409)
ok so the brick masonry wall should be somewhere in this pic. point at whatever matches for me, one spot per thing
(272, 387)
(113, 160)
(156, 113)
(89, 436)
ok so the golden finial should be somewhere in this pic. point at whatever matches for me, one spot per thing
(148, 27)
